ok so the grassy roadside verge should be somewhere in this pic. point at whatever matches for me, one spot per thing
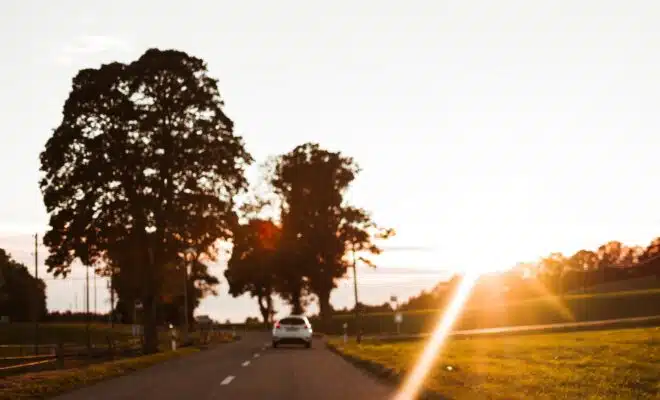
(40, 385)
(614, 364)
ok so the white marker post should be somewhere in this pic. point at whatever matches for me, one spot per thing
(137, 331)
(345, 332)
(398, 318)
(173, 337)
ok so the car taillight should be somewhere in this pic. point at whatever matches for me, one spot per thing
(277, 325)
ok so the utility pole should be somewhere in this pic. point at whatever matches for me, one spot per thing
(112, 297)
(89, 343)
(189, 257)
(186, 265)
(185, 299)
(357, 303)
(36, 302)
(95, 303)
(584, 291)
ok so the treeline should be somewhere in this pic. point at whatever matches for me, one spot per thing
(141, 179)
(613, 261)
(69, 316)
(22, 297)
(555, 274)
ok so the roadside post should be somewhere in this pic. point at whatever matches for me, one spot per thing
(398, 317)
(345, 332)
(59, 354)
(136, 327)
(173, 337)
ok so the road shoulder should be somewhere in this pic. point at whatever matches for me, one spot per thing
(52, 383)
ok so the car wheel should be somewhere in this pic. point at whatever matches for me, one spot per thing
(308, 345)
(274, 344)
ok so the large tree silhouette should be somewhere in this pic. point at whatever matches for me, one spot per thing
(144, 154)
(318, 226)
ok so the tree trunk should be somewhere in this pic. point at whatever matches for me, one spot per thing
(150, 304)
(263, 308)
(269, 305)
(191, 305)
(325, 310)
(296, 302)
(150, 344)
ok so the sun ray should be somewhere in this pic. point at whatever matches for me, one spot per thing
(415, 379)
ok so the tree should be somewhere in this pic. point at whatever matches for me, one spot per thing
(318, 227)
(553, 267)
(252, 267)
(144, 155)
(579, 268)
(310, 182)
(357, 233)
(124, 278)
(650, 259)
(22, 297)
(611, 253)
(631, 255)
(583, 260)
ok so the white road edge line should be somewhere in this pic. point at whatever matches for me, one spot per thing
(227, 380)
(246, 363)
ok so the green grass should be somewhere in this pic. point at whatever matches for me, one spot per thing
(50, 383)
(614, 364)
(540, 310)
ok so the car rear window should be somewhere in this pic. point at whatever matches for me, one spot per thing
(292, 321)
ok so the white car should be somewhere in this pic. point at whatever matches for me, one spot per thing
(293, 329)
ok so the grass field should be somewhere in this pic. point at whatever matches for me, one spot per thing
(541, 310)
(614, 364)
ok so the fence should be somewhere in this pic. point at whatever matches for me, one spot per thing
(21, 358)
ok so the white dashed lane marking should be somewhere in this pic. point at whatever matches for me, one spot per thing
(246, 363)
(227, 380)
(256, 355)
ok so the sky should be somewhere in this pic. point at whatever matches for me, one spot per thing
(489, 133)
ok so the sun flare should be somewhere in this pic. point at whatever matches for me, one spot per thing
(415, 379)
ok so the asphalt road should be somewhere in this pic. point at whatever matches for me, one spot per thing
(251, 369)
(247, 369)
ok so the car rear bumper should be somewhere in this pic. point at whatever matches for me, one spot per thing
(293, 337)
(292, 340)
